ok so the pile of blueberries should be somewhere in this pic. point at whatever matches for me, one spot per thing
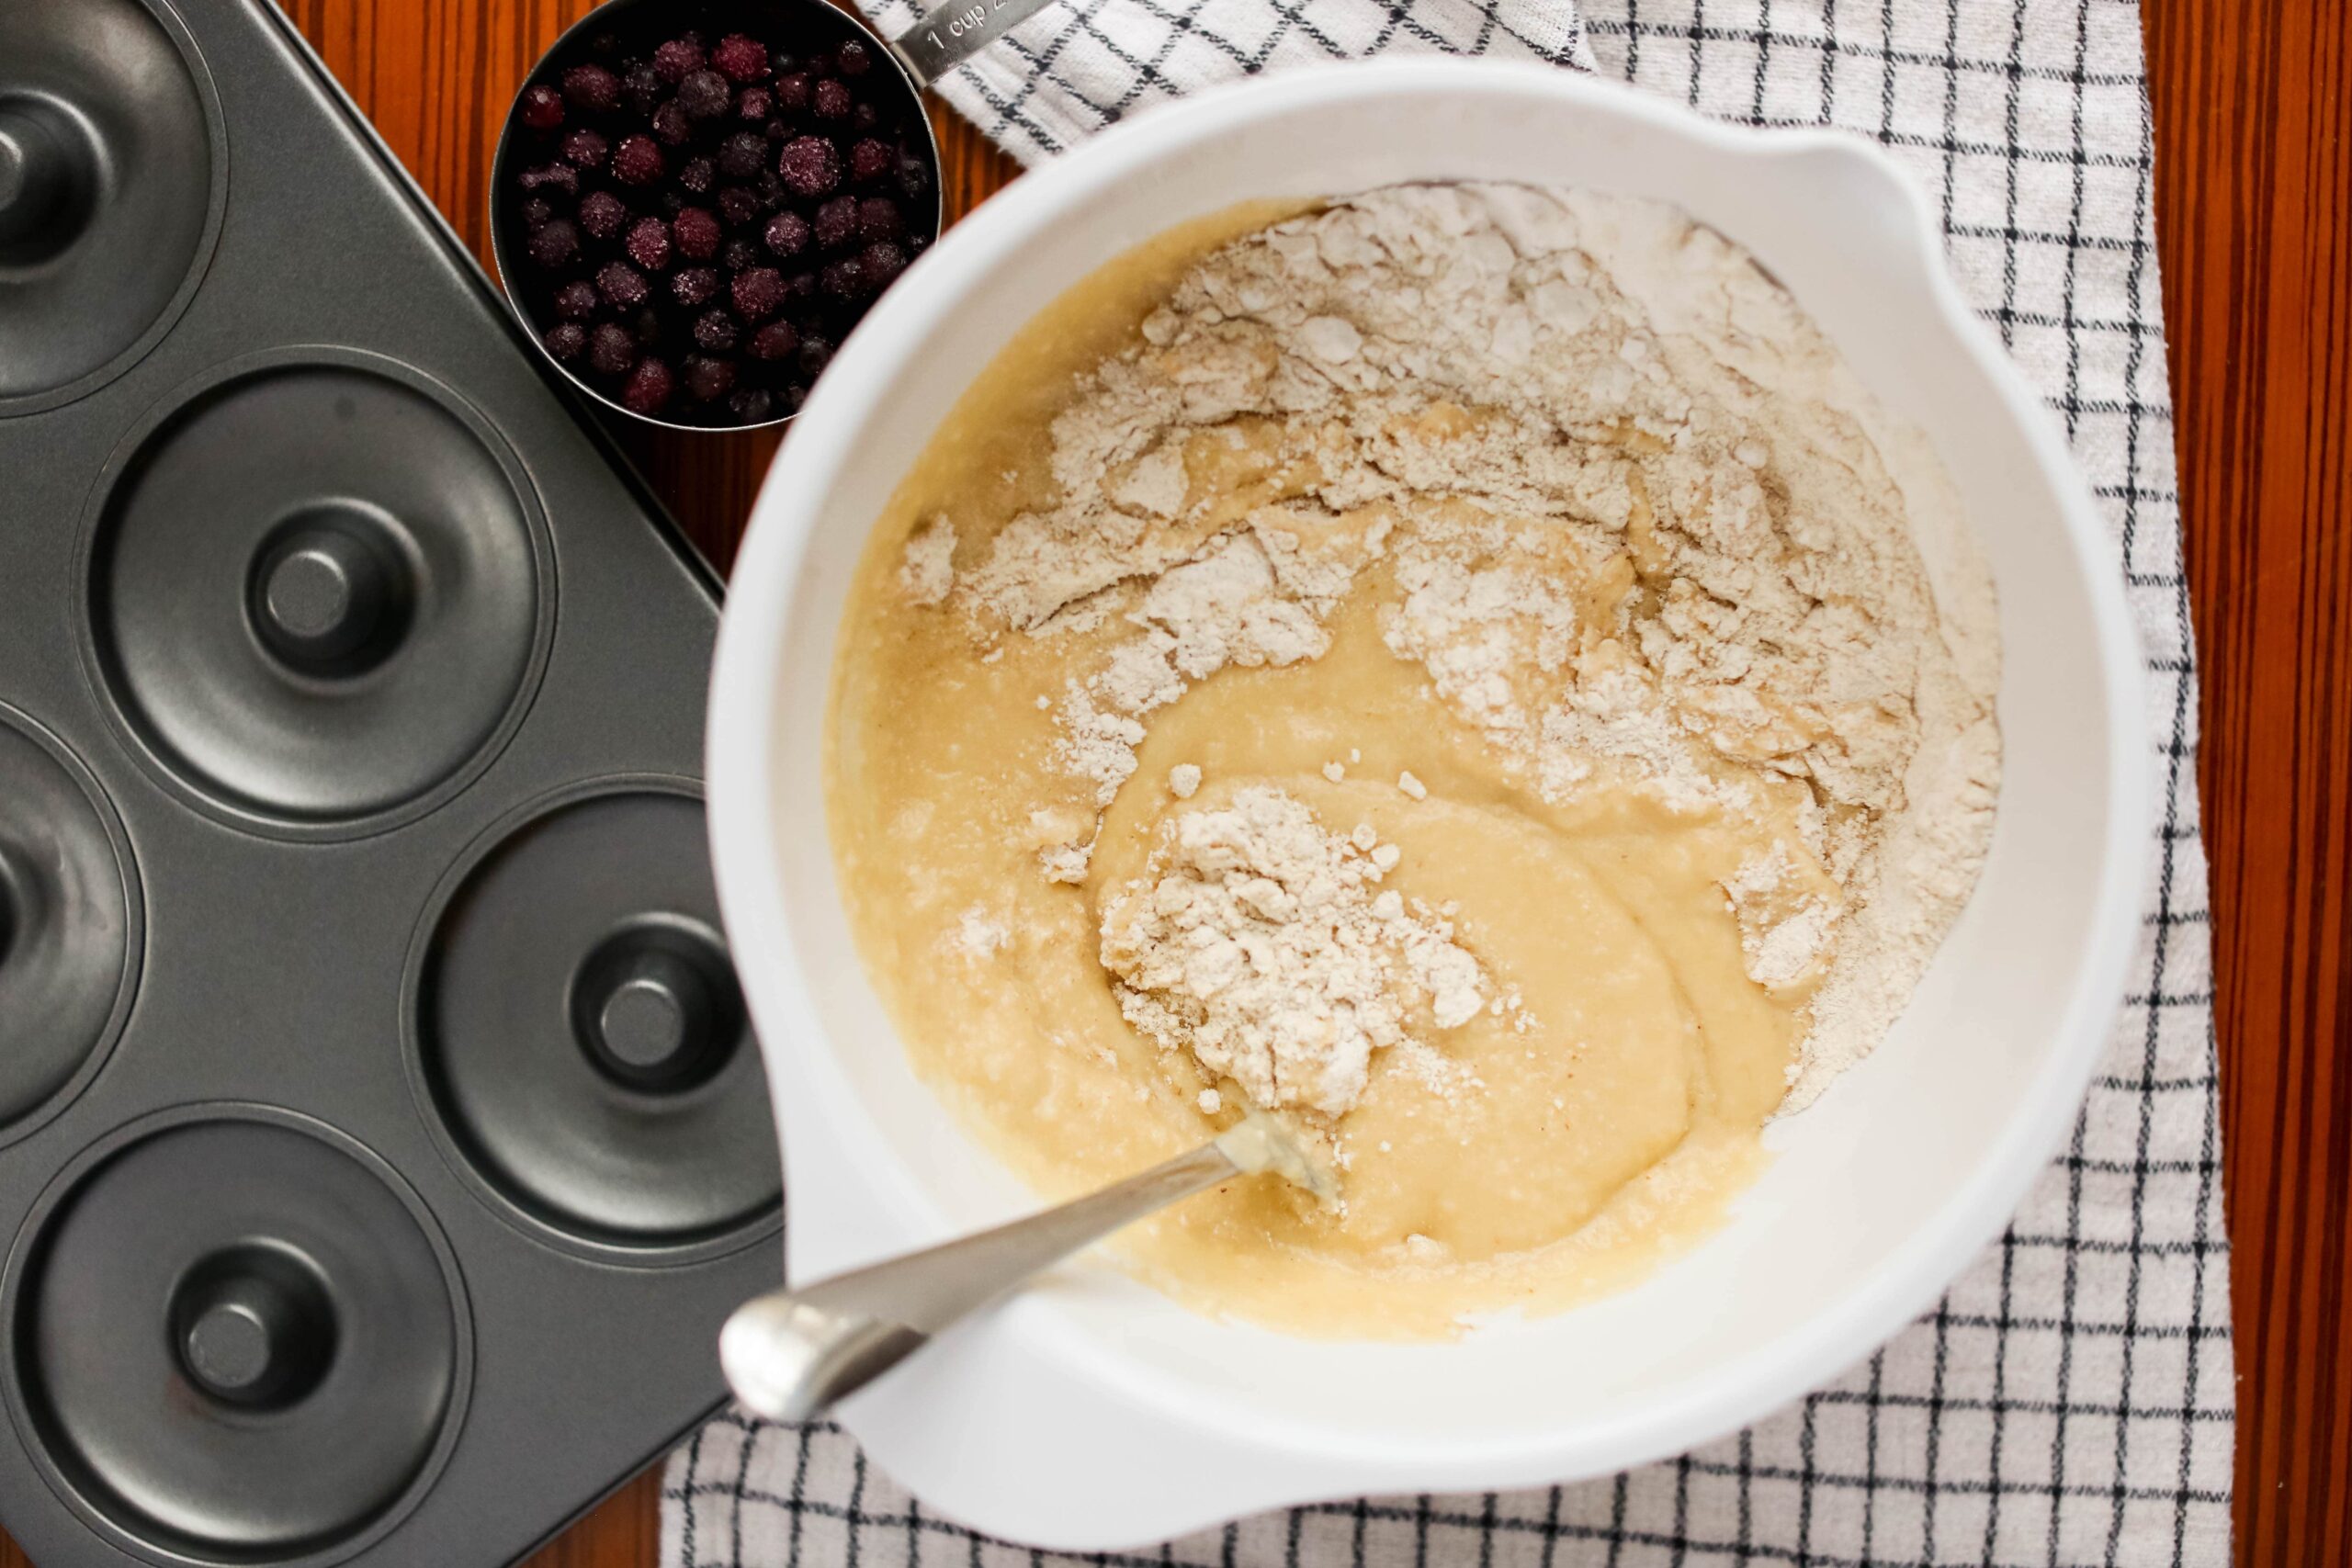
(695, 228)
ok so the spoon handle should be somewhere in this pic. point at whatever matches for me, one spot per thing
(791, 1353)
(956, 31)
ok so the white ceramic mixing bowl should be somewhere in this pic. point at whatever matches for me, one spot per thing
(1096, 1412)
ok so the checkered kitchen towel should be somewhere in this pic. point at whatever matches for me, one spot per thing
(2069, 1402)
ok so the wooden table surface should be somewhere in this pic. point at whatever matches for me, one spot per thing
(2254, 147)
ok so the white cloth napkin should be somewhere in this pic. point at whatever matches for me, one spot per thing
(2070, 1403)
(1074, 68)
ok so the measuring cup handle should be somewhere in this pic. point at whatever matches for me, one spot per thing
(955, 32)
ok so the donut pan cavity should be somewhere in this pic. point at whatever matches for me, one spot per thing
(69, 924)
(315, 1351)
(111, 183)
(317, 591)
(573, 987)
(381, 1137)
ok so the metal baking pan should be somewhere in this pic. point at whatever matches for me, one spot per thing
(382, 1138)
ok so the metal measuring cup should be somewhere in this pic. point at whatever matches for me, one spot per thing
(918, 57)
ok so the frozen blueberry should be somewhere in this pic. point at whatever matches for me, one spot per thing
(691, 286)
(592, 88)
(550, 176)
(831, 99)
(648, 325)
(914, 174)
(650, 386)
(740, 156)
(878, 219)
(637, 161)
(554, 243)
(602, 214)
(809, 165)
(754, 104)
(870, 160)
(583, 149)
(542, 106)
(752, 405)
(738, 253)
(836, 222)
(864, 118)
(706, 94)
(787, 234)
(648, 243)
(696, 175)
(792, 93)
(779, 130)
(816, 352)
(708, 380)
(576, 300)
(672, 203)
(758, 293)
(853, 59)
(800, 286)
(741, 57)
(697, 233)
(883, 261)
(738, 205)
(643, 87)
(611, 351)
(774, 341)
(844, 279)
(678, 59)
(537, 211)
(716, 332)
(672, 124)
(565, 339)
(622, 284)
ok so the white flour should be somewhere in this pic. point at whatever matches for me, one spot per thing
(929, 570)
(1265, 946)
(1644, 529)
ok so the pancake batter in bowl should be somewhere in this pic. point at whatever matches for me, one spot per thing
(1466, 669)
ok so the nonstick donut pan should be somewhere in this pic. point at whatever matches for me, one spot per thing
(382, 1140)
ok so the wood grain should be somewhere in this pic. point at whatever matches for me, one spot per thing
(2253, 135)
(2254, 214)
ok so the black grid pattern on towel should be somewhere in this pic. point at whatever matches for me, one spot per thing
(2071, 1401)
(1076, 67)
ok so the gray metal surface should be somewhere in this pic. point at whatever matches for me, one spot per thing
(318, 600)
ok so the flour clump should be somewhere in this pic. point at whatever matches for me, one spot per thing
(929, 570)
(1263, 945)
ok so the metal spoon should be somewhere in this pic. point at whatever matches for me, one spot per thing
(791, 1353)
